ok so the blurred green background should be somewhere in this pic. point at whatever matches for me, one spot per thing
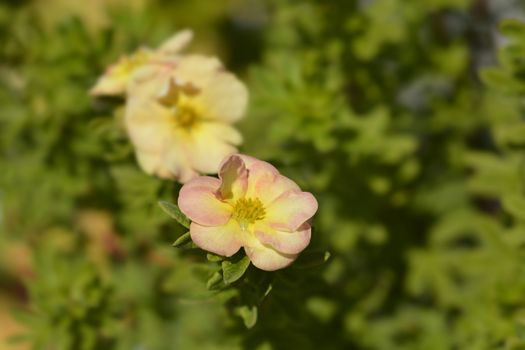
(406, 119)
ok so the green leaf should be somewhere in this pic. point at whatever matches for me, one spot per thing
(215, 281)
(233, 270)
(496, 77)
(520, 329)
(311, 259)
(512, 28)
(182, 240)
(515, 205)
(248, 315)
(174, 211)
(214, 258)
(267, 291)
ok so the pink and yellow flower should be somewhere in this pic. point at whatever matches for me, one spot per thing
(250, 205)
(115, 80)
(179, 116)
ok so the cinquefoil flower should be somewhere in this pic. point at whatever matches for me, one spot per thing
(251, 205)
(115, 80)
(178, 116)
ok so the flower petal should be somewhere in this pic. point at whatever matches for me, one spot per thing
(176, 163)
(266, 258)
(169, 164)
(222, 240)
(115, 80)
(149, 125)
(224, 98)
(208, 144)
(196, 69)
(224, 132)
(285, 242)
(234, 178)
(290, 210)
(148, 80)
(199, 202)
(149, 162)
(110, 85)
(264, 180)
(255, 165)
(261, 177)
(176, 43)
(269, 187)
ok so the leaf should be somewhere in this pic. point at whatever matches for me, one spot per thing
(174, 211)
(512, 28)
(215, 281)
(520, 329)
(515, 205)
(183, 240)
(248, 315)
(496, 77)
(311, 259)
(233, 270)
(214, 258)
(267, 291)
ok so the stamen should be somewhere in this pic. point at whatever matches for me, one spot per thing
(186, 117)
(172, 90)
(248, 210)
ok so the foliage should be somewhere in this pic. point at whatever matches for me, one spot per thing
(386, 110)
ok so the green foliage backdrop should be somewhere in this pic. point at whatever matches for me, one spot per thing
(405, 118)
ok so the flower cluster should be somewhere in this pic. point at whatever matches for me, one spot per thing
(179, 108)
(179, 114)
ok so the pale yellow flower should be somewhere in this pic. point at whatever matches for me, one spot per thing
(115, 80)
(179, 116)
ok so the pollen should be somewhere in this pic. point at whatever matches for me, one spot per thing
(247, 211)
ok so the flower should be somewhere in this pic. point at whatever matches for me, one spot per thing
(115, 80)
(253, 206)
(179, 117)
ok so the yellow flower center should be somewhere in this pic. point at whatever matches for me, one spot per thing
(248, 210)
(186, 117)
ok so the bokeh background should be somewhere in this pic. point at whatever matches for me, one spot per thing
(406, 119)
